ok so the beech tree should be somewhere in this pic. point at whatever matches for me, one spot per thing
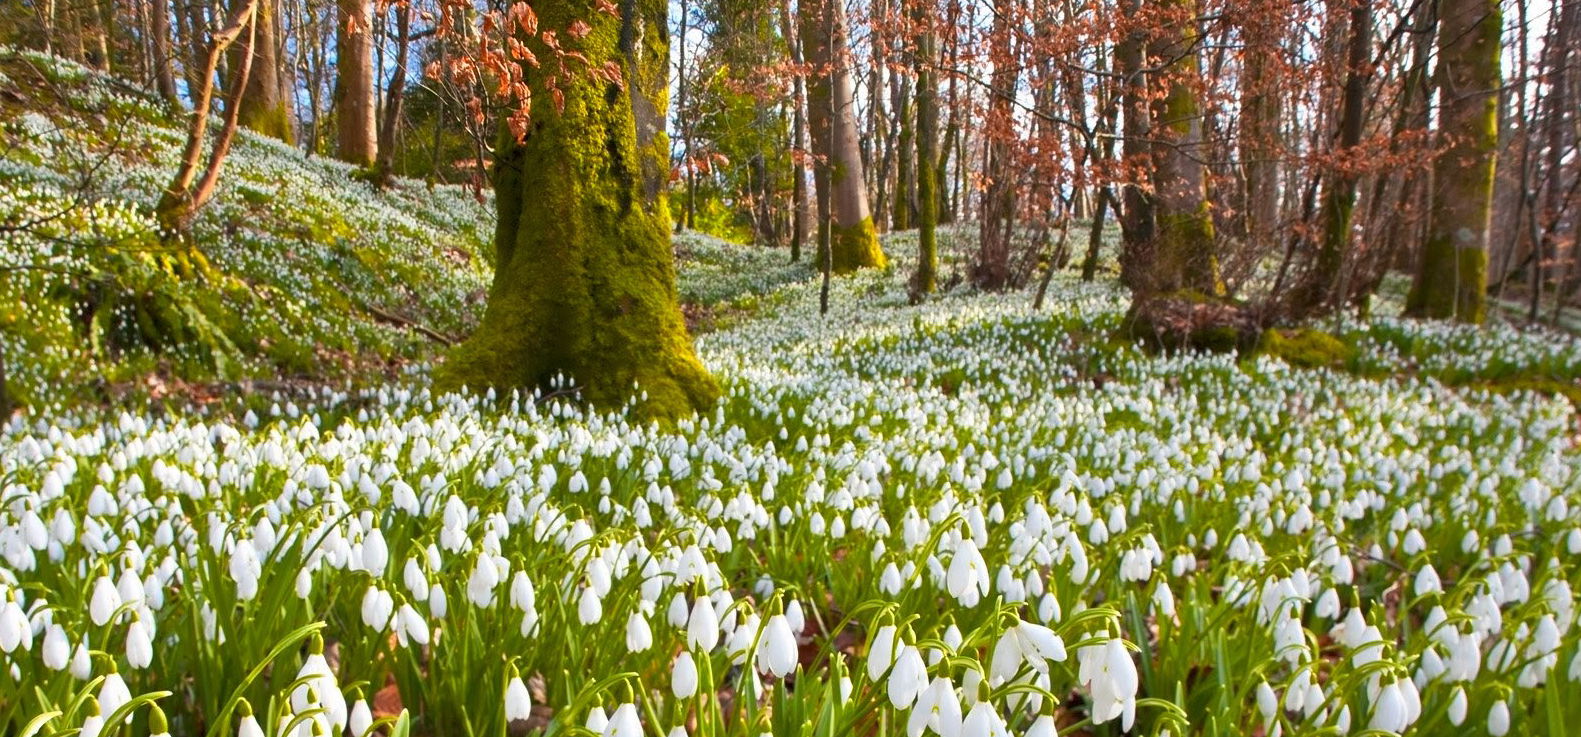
(1451, 280)
(584, 279)
(355, 105)
(847, 240)
(266, 103)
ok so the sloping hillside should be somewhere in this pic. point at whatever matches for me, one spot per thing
(298, 269)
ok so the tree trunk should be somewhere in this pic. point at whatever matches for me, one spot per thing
(925, 279)
(831, 104)
(800, 207)
(1451, 279)
(991, 270)
(1184, 255)
(584, 280)
(159, 47)
(1317, 289)
(1261, 101)
(265, 109)
(396, 95)
(1138, 217)
(182, 199)
(903, 213)
(357, 141)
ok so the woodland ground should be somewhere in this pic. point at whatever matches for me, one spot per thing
(1371, 526)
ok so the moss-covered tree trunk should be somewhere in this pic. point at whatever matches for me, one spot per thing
(831, 102)
(584, 281)
(925, 279)
(905, 202)
(357, 139)
(266, 104)
(1183, 253)
(1453, 270)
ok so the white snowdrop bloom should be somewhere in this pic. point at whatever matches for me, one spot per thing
(881, 653)
(522, 594)
(907, 679)
(777, 652)
(589, 607)
(624, 722)
(597, 720)
(518, 702)
(317, 678)
(105, 600)
(14, 628)
(937, 709)
(702, 626)
(1389, 711)
(480, 585)
(93, 723)
(1044, 726)
(375, 553)
(1110, 675)
(983, 721)
(360, 720)
(56, 652)
(82, 664)
(889, 581)
(677, 614)
(139, 646)
(1267, 701)
(967, 579)
(438, 602)
(1457, 707)
(639, 636)
(1427, 581)
(1499, 719)
(113, 693)
(683, 676)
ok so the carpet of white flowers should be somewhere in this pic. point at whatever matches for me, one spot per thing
(299, 268)
(963, 518)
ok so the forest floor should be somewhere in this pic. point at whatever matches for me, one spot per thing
(1198, 527)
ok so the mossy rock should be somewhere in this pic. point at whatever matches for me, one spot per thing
(1190, 320)
(1306, 348)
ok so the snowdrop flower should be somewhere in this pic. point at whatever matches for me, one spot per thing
(967, 579)
(360, 720)
(1499, 719)
(624, 722)
(93, 724)
(518, 702)
(777, 651)
(937, 709)
(639, 636)
(113, 693)
(683, 676)
(139, 647)
(881, 653)
(1457, 707)
(589, 607)
(908, 678)
(1109, 673)
(317, 678)
(1389, 711)
(14, 627)
(983, 721)
(57, 650)
(702, 627)
(480, 585)
(106, 599)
